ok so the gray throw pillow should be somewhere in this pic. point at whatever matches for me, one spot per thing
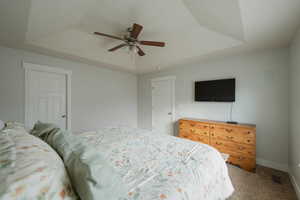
(91, 175)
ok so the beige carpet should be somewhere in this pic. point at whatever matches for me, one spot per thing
(259, 185)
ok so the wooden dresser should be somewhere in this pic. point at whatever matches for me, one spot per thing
(239, 141)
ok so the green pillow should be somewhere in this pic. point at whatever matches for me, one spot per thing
(92, 177)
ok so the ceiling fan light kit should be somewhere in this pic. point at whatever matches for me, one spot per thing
(131, 40)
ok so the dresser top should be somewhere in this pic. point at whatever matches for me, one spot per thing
(219, 122)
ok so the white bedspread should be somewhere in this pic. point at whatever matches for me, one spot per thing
(155, 166)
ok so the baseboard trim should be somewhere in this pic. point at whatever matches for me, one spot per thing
(295, 185)
(271, 164)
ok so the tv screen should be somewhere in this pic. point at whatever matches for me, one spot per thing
(215, 90)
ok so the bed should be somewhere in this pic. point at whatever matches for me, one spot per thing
(122, 163)
(156, 166)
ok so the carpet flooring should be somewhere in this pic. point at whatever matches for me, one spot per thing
(259, 185)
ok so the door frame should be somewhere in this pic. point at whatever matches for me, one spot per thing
(29, 68)
(165, 78)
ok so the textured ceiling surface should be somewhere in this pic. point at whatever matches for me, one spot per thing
(192, 29)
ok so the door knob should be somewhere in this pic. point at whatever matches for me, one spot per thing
(64, 116)
(170, 113)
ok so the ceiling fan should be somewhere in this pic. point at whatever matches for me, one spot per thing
(131, 40)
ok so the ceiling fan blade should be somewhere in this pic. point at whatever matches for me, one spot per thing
(140, 51)
(136, 30)
(110, 36)
(117, 47)
(153, 43)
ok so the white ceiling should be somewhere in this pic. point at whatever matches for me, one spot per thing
(192, 29)
(220, 16)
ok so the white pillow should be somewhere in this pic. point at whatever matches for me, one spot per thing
(1, 125)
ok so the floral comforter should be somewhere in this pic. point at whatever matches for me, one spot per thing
(30, 169)
(161, 167)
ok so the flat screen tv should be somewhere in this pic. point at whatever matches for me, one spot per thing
(215, 90)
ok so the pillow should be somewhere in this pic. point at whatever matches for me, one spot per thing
(93, 178)
(1, 125)
(31, 169)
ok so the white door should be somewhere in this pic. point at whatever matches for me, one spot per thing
(46, 98)
(163, 107)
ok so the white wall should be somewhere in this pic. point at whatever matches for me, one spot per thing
(100, 97)
(261, 98)
(294, 139)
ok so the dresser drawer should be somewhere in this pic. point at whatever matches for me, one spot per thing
(201, 138)
(239, 159)
(192, 124)
(195, 137)
(194, 131)
(244, 162)
(202, 126)
(229, 147)
(197, 131)
(194, 128)
(238, 135)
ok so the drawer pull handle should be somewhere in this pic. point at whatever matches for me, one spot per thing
(229, 137)
(218, 143)
(228, 130)
(192, 125)
(241, 158)
(241, 148)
